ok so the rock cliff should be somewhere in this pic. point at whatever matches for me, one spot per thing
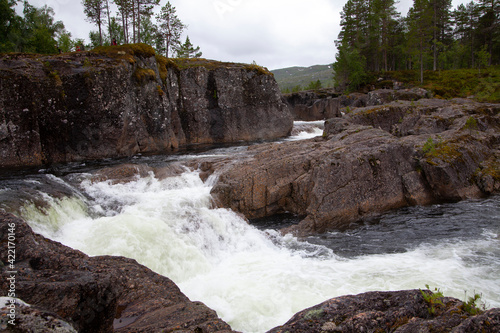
(125, 100)
(313, 105)
(371, 160)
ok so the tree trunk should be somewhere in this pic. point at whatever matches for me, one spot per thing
(109, 23)
(133, 21)
(124, 29)
(435, 36)
(421, 60)
(138, 21)
(100, 31)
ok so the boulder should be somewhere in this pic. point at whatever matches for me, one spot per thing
(392, 311)
(97, 294)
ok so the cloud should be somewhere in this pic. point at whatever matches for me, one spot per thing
(273, 33)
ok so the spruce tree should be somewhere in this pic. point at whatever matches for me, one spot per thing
(187, 50)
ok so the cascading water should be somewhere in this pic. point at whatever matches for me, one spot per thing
(253, 277)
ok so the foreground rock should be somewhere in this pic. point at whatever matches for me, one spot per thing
(96, 294)
(371, 160)
(120, 101)
(28, 318)
(399, 311)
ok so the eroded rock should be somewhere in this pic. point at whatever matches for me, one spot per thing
(372, 160)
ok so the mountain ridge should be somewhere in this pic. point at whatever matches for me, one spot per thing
(290, 77)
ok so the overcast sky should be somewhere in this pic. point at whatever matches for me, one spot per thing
(273, 33)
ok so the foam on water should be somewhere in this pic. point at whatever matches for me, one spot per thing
(254, 279)
(303, 130)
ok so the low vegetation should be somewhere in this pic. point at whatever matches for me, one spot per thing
(434, 298)
(483, 86)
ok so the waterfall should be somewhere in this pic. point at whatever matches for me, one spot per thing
(254, 279)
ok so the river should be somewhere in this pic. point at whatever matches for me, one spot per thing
(254, 277)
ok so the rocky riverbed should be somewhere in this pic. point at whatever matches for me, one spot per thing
(371, 160)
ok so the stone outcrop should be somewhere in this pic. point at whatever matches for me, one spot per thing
(325, 104)
(371, 160)
(94, 294)
(401, 311)
(120, 101)
(313, 105)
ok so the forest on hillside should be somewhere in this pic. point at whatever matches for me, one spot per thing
(375, 37)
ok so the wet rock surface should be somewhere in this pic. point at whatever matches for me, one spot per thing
(97, 294)
(371, 160)
(398, 311)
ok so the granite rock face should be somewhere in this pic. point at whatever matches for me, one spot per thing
(371, 160)
(125, 100)
(97, 294)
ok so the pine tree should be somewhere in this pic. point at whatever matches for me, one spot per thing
(144, 7)
(489, 25)
(349, 68)
(466, 20)
(354, 24)
(420, 31)
(187, 50)
(125, 8)
(440, 26)
(95, 9)
(170, 29)
(149, 30)
(385, 18)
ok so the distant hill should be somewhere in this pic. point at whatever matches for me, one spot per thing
(291, 77)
